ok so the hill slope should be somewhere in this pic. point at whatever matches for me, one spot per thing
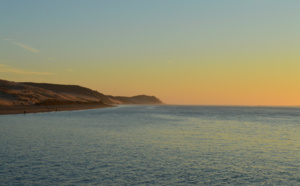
(73, 90)
(12, 93)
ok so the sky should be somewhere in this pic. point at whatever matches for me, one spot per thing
(192, 52)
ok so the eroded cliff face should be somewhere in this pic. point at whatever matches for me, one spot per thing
(13, 93)
(79, 92)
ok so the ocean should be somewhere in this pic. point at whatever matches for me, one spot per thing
(152, 145)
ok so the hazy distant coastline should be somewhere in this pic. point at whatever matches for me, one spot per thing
(31, 97)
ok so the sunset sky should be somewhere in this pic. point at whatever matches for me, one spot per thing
(182, 51)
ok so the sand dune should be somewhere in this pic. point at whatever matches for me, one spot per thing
(17, 96)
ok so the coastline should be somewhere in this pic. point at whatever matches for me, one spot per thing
(26, 109)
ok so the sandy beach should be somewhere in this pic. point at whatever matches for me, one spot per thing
(53, 108)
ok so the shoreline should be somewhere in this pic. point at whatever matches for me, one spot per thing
(28, 109)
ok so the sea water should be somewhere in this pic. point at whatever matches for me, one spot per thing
(152, 145)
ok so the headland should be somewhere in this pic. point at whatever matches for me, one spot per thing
(28, 97)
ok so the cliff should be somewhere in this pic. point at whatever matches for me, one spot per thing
(73, 91)
(28, 93)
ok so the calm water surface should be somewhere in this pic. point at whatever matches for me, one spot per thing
(152, 145)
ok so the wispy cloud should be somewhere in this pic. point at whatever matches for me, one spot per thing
(8, 69)
(22, 45)
(26, 47)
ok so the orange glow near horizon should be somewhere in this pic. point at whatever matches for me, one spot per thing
(198, 53)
